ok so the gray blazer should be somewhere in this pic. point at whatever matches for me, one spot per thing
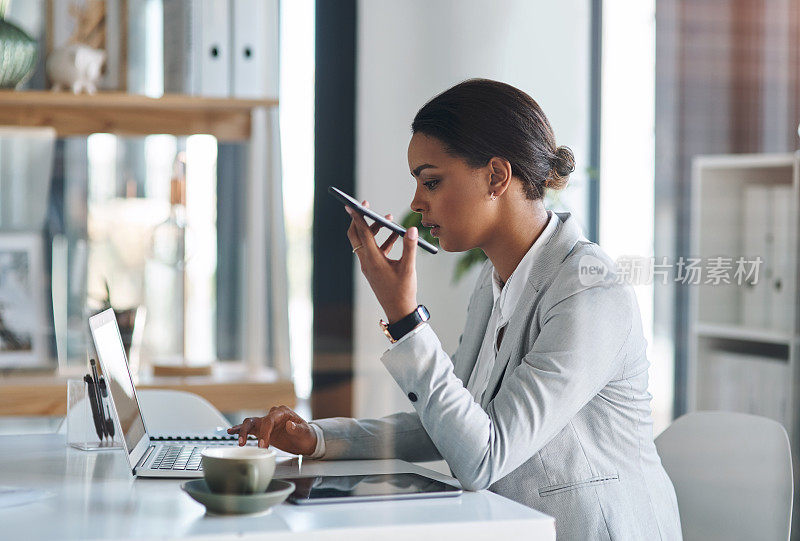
(564, 426)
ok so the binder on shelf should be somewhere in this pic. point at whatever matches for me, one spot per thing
(781, 304)
(709, 383)
(181, 24)
(197, 47)
(757, 242)
(255, 48)
(745, 383)
(215, 48)
(772, 381)
(732, 384)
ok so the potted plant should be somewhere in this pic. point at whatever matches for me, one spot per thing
(131, 327)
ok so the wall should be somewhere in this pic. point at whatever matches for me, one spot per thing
(410, 51)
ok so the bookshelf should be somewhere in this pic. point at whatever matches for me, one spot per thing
(743, 350)
(253, 121)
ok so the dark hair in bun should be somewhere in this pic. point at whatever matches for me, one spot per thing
(480, 118)
(563, 165)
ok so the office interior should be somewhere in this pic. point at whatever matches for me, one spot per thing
(194, 203)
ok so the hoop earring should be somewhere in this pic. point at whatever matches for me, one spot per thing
(493, 196)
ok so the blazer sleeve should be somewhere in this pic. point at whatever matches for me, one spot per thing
(576, 353)
(400, 435)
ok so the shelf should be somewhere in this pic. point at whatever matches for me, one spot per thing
(229, 389)
(736, 332)
(744, 161)
(130, 114)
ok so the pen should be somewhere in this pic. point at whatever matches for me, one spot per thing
(97, 392)
(91, 391)
(106, 412)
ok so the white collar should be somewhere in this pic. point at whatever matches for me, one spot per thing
(511, 292)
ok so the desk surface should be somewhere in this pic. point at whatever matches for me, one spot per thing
(92, 495)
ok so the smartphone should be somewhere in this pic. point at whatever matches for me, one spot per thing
(349, 201)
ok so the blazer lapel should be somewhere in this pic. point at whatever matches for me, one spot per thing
(511, 339)
(558, 247)
(474, 330)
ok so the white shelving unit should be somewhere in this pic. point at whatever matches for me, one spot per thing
(744, 336)
(740, 332)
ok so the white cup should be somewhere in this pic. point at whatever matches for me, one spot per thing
(238, 470)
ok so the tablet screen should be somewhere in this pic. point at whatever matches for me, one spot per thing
(368, 487)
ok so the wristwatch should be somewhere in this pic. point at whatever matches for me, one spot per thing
(403, 326)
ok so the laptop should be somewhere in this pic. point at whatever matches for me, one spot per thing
(164, 456)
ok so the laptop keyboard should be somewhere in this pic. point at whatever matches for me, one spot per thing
(178, 457)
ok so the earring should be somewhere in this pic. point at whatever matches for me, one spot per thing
(493, 196)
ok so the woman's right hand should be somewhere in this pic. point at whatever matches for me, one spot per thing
(282, 428)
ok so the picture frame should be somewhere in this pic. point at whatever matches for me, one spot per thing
(23, 325)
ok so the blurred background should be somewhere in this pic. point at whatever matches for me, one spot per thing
(189, 191)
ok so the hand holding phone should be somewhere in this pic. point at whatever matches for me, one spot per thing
(349, 201)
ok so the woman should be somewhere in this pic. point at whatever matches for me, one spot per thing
(545, 400)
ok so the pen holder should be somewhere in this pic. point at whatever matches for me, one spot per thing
(81, 429)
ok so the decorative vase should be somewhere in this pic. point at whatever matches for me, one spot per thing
(17, 55)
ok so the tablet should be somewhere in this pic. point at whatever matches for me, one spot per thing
(363, 488)
(351, 202)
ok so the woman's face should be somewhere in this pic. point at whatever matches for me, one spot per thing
(451, 196)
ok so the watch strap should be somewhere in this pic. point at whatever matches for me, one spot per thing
(405, 325)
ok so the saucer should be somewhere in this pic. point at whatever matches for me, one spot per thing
(238, 504)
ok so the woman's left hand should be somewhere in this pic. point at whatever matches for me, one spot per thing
(394, 281)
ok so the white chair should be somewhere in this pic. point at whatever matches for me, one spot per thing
(172, 412)
(732, 474)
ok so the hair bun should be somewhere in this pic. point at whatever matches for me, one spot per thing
(561, 166)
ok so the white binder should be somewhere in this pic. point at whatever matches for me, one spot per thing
(181, 24)
(215, 48)
(197, 47)
(745, 383)
(757, 242)
(255, 51)
(781, 302)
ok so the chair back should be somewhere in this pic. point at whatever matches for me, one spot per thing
(172, 412)
(732, 474)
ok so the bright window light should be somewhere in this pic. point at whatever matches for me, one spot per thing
(297, 146)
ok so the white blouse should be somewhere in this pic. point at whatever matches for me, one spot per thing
(506, 297)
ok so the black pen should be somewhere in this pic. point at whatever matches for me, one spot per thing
(92, 392)
(98, 394)
(105, 409)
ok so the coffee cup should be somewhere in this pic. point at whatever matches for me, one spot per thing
(238, 470)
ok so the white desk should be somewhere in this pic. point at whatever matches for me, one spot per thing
(94, 496)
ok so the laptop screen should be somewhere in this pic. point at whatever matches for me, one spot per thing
(108, 344)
